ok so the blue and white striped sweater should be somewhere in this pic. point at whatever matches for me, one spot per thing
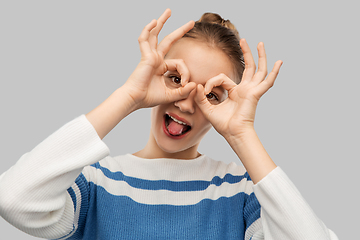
(127, 197)
(69, 187)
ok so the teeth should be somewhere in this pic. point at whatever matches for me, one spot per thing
(178, 121)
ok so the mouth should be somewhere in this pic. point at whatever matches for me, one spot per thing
(175, 127)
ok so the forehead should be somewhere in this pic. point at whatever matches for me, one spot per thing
(202, 60)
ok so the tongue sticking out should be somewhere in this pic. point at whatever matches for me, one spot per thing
(176, 128)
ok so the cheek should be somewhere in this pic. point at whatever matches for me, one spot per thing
(155, 116)
(204, 131)
(204, 124)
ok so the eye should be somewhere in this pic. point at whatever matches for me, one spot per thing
(212, 97)
(172, 79)
(175, 79)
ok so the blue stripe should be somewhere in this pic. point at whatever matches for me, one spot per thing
(73, 196)
(197, 185)
(83, 186)
(84, 190)
(252, 210)
(119, 217)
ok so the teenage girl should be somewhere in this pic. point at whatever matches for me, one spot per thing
(200, 76)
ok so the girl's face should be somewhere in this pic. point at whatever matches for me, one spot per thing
(178, 127)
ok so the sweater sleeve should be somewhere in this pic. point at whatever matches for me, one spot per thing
(33, 193)
(284, 212)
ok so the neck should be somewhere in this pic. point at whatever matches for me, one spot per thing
(152, 150)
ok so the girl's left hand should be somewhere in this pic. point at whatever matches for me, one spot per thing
(236, 114)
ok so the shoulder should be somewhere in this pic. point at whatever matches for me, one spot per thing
(231, 176)
(106, 165)
(221, 168)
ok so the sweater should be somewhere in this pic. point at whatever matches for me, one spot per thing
(69, 187)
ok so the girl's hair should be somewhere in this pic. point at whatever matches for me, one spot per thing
(220, 33)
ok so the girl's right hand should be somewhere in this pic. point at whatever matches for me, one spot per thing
(146, 85)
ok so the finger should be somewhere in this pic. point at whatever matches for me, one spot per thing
(170, 39)
(250, 66)
(265, 85)
(219, 80)
(262, 64)
(180, 93)
(200, 98)
(144, 37)
(179, 66)
(153, 40)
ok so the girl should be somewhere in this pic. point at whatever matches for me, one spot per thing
(68, 187)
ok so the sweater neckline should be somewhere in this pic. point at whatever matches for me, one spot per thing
(197, 159)
(169, 164)
(167, 168)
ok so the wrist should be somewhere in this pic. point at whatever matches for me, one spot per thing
(252, 154)
(240, 135)
(110, 112)
(126, 101)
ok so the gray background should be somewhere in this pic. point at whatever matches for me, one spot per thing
(60, 59)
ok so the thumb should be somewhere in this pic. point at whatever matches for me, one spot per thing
(205, 106)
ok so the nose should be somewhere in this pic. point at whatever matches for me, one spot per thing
(187, 104)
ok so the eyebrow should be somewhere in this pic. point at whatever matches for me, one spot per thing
(172, 72)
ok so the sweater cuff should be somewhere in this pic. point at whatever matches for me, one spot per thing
(284, 212)
(76, 144)
(277, 176)
(276, 189)
(276, 192)
(66, 151)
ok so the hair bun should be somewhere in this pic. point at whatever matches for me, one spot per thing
(218, 33)
(215, 18)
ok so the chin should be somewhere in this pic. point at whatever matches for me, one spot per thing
(171, 148)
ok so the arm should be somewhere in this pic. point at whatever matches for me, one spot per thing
(284, 213)
(145, 87)
(33, 193)
(234, 117)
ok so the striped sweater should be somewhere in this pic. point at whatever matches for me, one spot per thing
(68, 187)
(164, 199)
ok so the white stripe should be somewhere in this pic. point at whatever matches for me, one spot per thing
(76, 189)
(75, 222)
(202, 168)
(255, 231)
(158, 197)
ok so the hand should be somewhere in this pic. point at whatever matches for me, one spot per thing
(146, 85)
(236, 114)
